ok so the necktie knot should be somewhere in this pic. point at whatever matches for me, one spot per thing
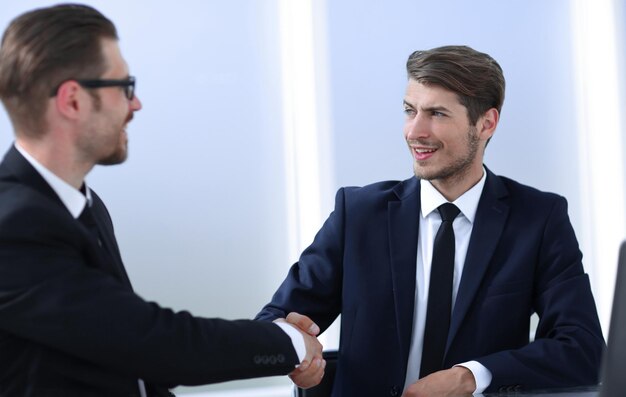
(448, 212)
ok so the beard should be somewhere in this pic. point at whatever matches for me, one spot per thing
(116, 158)
(458, 167)
(119, 149)
(119, 155)
(105, 140)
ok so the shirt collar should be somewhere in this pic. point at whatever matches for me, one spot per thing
(72, 198)
(467, 202)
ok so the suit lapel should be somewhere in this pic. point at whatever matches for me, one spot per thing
(489, 222)
(403, 229)
(21, 169)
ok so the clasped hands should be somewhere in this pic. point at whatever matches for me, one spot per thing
(311, 370)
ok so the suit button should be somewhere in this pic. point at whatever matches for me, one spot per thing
(395, 391)
(273, 360)
(257, 359)
(281, 358)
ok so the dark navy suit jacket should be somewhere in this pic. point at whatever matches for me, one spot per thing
(70, 324)
(523, 257)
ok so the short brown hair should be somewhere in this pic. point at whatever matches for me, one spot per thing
(43, 48)
(475, 77)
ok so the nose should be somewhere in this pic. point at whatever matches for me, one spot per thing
(135, 104)
(416, 128)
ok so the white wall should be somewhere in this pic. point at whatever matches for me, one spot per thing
(200, 206)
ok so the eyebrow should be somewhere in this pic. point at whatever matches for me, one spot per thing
(429, 108)
(436, 109)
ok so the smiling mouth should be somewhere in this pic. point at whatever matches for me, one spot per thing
(422, 153)
(423, 150)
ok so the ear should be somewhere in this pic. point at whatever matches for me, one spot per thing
(487, 123)
(68, 101)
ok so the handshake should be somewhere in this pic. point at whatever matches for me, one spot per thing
(311, 370)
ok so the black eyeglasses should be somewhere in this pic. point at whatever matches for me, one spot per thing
(128, 85)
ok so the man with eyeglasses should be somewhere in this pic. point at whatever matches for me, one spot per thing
(70, 323)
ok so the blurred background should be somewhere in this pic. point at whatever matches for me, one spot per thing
(256, 111)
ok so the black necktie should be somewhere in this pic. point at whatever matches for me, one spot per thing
(87, 219)
(439, 293)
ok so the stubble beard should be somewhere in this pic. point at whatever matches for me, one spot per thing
(121, 151)
(117, 157)
(90, 146)
(458, 168)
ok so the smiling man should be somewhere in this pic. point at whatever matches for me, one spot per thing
(436, 277)
(70, 323)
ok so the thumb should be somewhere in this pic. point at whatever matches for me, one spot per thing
(304, 323)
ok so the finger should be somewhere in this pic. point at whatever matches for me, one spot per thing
(310, 378)
(317, 376)
(310, 370)
(304, 323)
(312, 366)
(303, 366)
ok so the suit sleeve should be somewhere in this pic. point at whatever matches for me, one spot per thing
(568, 343)
(313, 284)
(51, 296)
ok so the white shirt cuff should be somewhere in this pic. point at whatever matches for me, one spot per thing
(482, 376)
(296, 339)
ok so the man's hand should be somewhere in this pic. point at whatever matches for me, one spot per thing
(304, 323)
(453, 382)
(311, 370)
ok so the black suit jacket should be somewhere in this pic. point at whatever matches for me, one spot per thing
(70, 324)
(523, 257)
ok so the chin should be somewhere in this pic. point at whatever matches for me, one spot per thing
(425, 174)
(116, 158)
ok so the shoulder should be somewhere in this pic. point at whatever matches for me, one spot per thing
(376, 196)
(525, 201)
(522, 192)
(383, 189)
(24, 209)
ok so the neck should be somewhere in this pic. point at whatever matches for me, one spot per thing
(456, 185)
(58, 158)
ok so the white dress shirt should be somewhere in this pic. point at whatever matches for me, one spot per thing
(428, 225)
(71, 197)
